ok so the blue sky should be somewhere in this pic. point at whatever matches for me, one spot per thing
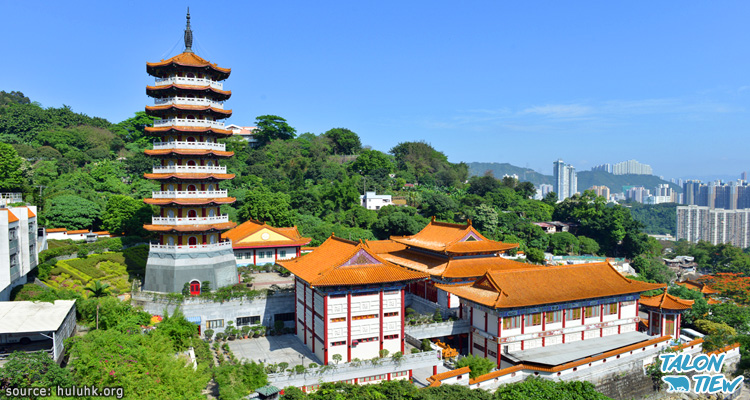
(665, 83)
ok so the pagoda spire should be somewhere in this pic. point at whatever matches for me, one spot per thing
(188, 35)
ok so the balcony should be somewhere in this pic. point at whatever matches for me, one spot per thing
(183, 194)
(189, 145)
(159, 123)
(192, 101)
(189, 81)
(197, 169)
(189, 221)
(198, 248)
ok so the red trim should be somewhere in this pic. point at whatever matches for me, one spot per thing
(296, 302)
(389, 376)
(523, 323)
(380, 335)
(255, 260)
(304, 319)
(637, 304)
(544, 322)
(601, 313)
(349, 328)
(312, 315)
(276, 258)
(499, 333)
(409, 374)
(485, 346)
(325, 330)
(434, 369)
(619, 309)
(403, 311)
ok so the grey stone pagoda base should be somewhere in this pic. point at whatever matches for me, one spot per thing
(168, 272)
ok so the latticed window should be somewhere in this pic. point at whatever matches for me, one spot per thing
(534, 319)
(610, 309)
(554, 316)
(592, 311)
(573, 314)
(511, 322)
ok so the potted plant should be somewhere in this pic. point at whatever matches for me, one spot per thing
(209, 333)
(245, 331)
(220, 336)
(231, 331)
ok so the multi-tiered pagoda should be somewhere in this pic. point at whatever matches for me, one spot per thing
(189, 101)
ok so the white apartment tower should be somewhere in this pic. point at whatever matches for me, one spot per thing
(695, 223)
(566, 181)
(18, 247)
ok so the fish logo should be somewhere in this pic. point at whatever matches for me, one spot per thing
(677, 383)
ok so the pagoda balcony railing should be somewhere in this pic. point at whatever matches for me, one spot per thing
(190, 145)
(196, 248)
(181, 80)
(190, 220)
(183, 194)
(190, 101)
(187, 122)
(165, 169)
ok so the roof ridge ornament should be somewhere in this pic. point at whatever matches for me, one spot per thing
(188, 35)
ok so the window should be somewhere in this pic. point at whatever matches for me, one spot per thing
(254, 320)
(269, 254)
(358, 341)
(554, 316)
(592, 311)
(534, 319)
(400, 373)
(340, 343)
(260, 254)
(284, 317)
(390, 337)
(282, 253)
(339, 319)
(369, 316)
(512, 322)
(391, 314)
(573, 313)
(610, 309)
(215, 323)
(478, 347)
(12, 234)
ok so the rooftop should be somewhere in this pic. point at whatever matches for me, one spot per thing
(666, 301)
(30, 316)
(452, 238)
(253, 233)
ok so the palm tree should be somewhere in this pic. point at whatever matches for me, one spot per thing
(99, 289)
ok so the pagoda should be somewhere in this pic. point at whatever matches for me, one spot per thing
(189, 101)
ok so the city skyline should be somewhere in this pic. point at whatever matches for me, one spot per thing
(599, 82)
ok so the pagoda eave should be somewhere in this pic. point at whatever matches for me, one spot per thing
(189, 152)
(159, 111)
(190, 202)
(189, 176)
(175, 88)
(186, 60)
(186, 129)
(190, 228)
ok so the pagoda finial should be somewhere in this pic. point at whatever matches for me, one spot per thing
(188, 35)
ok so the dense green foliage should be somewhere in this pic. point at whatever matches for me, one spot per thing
(657, 219)
(479, 365)
(717, 258)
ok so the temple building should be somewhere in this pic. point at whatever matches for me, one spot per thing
(449, 253)
(350, 301)
(513, 311)
(257, 243)
(665, 313)
(189, 100)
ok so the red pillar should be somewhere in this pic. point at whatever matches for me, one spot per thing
(485, 346)
(276, 256)
(499, 334)
(255, 261)
(312, 315)
(389, 376)
(296, 301)
(434, 370)
(325, 330)
(564, 312)
(485, 321)
(349, 328)
(304, 318)
(636, 313)
(403, 318)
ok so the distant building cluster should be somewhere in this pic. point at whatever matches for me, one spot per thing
(630, 167)
(729, 196)
(695, 223)
(543, 190)
(566, 180)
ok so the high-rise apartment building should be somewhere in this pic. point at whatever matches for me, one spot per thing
(632, 167)
(729, 196)
(19, 247)
(601, 191)
(637, 194)
(566, 181)
(696, 223)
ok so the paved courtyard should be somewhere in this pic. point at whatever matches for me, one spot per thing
(273, 350)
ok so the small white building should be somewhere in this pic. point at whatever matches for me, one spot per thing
(245, 132)
(257, 243)
(372, 201)
(19, 247)
(28, 321)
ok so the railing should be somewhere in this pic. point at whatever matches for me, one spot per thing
(196, 248)
(189, 220)
(189, 101)
(187, 122)
(182, 194)
(181, 80)
(189, 145)
(189, 168)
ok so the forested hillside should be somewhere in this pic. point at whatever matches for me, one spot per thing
(615, 183)
(87, 173)
(501, 169)
(657, 218)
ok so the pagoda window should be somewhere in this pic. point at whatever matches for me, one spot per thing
(170, 240)
(554, 316)
(171, 163)
(170, 139)
(192, 214)
(170, 188)
(170, 213)
(512, 322)
(190, 75)
(610, 309)
(191, 188)
(211, 187)
(191, 163)
(210, 163)
(212, 213)
(192, 241)
(195, 288)
(191, 139)
(191, 116)
(212, 239)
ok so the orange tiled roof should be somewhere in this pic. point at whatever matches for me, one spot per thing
(452, 238)
(188, 175)
(185, 107)
(189, 228)
(384, 246)
(340, 262)
(52, 230)
(724, 349)
(711, 300)
(102, 233)
(252, 226)
(522, 287)
(697, 286)
(435, 384)
(78, 231)
(190, 202)
(189, 129)
(667, 302)
(189, 87)
(11, 217)
(447, 267)
(449, 374)
(189, 152)
(187, 60)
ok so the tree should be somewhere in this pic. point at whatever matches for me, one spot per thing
(543, 389)
(718, 334)
(11, 173)
(272, 127)
(652, 269)
(99, 289)
(126, 215)
(71, 212)
(700, 305)
(369, 161)
(438, 205)
(588, 245)
(482, 185)
(535, 256)
(270, 207)
(337, 358)
(479, 365)
(550, 198)
(35, 369)
(563, 243)
(525, 189)
(344, 141)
